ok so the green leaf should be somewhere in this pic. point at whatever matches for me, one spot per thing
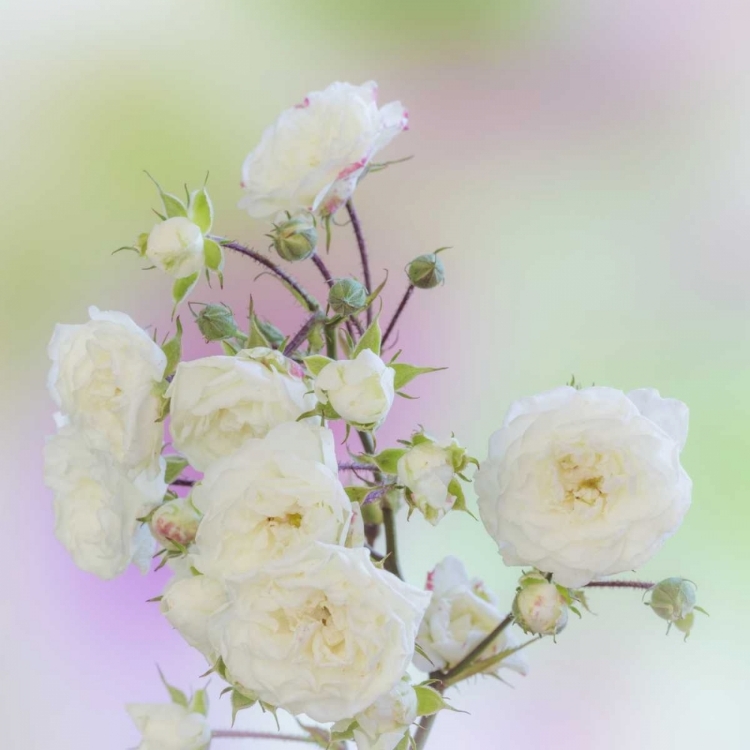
(183, 287)
(201, 210)
(387, 460)
(240, 702)
(371, 340)
(176, 695)
(199, 703)
(357, 493)
(213, 254)
(429, 701)
(175, 465)
(455, 489)
(173, 350)
(173, 206)
(406, 373)
(316, 363)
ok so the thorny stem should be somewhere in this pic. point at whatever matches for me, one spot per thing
(296, 341)
(620, 585)
(362, 245)
(310, 302)
(351, 466)
(240, 734)
(404, 301)
(389, 519)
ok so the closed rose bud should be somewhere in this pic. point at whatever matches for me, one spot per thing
(347, 296)
(216, 323)
(426, 271)
(673, 599)
(296, 238)
(539, 607)
(175, 523)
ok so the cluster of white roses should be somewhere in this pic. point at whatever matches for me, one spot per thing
(277, 580)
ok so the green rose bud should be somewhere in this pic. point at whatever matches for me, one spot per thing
(673, 599)
(216, 323)
(347, 296)
(426, 271)
(175, 523)
(295, 239)
(539, 606)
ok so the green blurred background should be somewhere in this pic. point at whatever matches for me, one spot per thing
(587, 161)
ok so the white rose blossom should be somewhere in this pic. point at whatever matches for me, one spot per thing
(462, 612)
(104, 379)
(384, 724)
(325, 633)
(426, 470)
(360, 390)
(169, 726)
(583, 484)
(176, 247)
(97, 503)
(270, 499)
(311, 158)
(220, 402)
(188, 602)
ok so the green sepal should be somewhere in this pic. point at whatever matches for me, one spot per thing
(256, 336)
(183, 287)
(455, 489)
(372, 296)
(229, 348)
(173, 350)
(201, 210)
(271, 333)
(484, 665)
(213, 254)
(175, 694)
(240, 702)
(387, 460)
(406, 373)
(419, 650)
(173, 206)
(199, 702)
(429, 701)
(175, 465)
(316, 363)
(371, 339)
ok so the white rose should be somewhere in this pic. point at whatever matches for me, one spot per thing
(97, 504)
(359, 390)
(218, 403)
(188, 602)
(103, 378)
(384, 724)
(312, 156)
(169, 726)
(426, 470)
(176, 247)
(583, 484)
(325, 633)
(270, 499)
(539, 607)
(460, 615)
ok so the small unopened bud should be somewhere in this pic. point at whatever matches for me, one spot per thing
(295, 239)
(347, 296)
(175, 523)
(539, 606)
(673, 599)
(216, 323)
(426, 271)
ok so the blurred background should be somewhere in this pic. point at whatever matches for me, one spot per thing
(588, 162)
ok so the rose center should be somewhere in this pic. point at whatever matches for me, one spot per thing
(587, 476)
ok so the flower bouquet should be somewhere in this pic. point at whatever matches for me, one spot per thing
(282, 544)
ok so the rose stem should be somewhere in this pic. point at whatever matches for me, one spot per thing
(310, 302)
(362, 252)
(619, 585)
(296, 341)
(405, 299)
(389, 520)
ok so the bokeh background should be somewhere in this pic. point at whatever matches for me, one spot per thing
(588, 161)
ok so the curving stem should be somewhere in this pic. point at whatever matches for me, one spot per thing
(362, 245)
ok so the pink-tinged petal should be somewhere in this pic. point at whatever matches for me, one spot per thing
(303, 104)
(352, 168)
(430, 585)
